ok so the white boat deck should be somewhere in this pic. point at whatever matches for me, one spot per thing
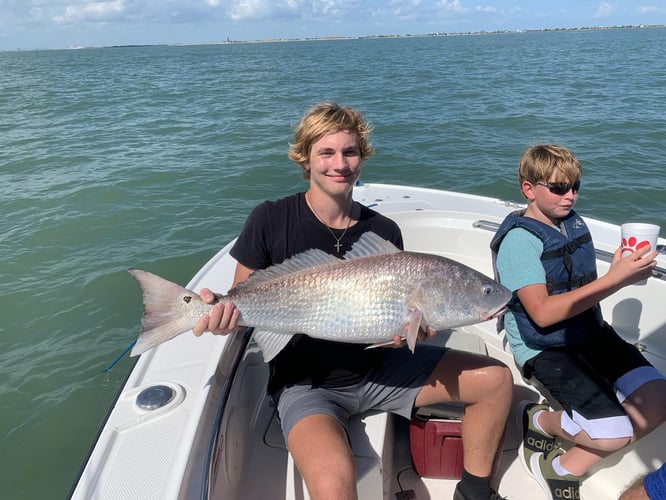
(163, 453)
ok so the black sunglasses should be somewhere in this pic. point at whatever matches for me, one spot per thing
(560, 187)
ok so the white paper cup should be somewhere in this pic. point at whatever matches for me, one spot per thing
(637, 235)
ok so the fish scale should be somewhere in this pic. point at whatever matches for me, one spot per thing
(353, 301)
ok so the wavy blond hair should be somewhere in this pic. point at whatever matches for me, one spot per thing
(323, 119)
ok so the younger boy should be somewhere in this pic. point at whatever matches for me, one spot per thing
(609, 393)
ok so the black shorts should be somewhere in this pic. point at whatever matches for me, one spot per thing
(590, 380)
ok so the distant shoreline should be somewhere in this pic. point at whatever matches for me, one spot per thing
(360, 37)
(408, 35)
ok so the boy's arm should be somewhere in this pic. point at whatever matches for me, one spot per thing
(546, 310)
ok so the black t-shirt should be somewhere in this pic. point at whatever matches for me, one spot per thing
(277, 230)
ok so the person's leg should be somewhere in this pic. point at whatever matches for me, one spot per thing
(592, 417)
(433, 375)
(313, 424)
(646, 406)
(639, 386)
(485, 385)
(323, 457)
(586, 452)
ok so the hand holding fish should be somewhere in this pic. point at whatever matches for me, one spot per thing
(221, 320)
(399, 341)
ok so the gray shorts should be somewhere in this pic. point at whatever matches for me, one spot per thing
(391, 387)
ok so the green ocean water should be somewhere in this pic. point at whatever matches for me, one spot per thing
(152, 157)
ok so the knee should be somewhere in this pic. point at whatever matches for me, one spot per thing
(496, 385)
(647, 418)
(500, 379)
(609, 445)
(604, 444)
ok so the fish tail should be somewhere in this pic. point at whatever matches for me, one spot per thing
(163, 317)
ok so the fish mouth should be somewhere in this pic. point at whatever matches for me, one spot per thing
(492, 315)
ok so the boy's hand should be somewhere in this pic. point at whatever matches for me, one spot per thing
(222, 319)
(633, 267)
(399, 341)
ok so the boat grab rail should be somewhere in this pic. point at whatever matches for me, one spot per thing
(604, 256)
(228, 367)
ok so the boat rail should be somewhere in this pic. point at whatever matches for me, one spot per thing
(604, 256)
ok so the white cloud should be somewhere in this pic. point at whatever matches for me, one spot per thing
(604, 9)
(250, 9)
(91, 11)
(280, 9)
(400, 7)
(651, 9)
(451, 5)
(241, 10)
(485, 8)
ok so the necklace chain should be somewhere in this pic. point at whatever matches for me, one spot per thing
(337, 245)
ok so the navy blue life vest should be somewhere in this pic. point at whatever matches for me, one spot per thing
(569, 260)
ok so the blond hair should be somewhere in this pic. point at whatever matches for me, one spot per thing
(540, 161)
(323, 119)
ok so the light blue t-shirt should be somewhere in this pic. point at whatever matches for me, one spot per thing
(519, 265)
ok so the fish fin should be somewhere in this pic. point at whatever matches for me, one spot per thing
(415, 317)
(386, 343)
(370, 244)
(161, 321)
(304, 260)
(271, 343)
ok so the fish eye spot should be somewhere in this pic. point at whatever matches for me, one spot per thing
(187, 299)
(487, 290)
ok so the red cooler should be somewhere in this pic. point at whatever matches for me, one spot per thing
(436, 442)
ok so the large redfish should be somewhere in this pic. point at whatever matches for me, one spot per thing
(375, 293)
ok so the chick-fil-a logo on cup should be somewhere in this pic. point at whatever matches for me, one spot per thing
(638, 235)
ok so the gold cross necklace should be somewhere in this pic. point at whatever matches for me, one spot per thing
(337, 245)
